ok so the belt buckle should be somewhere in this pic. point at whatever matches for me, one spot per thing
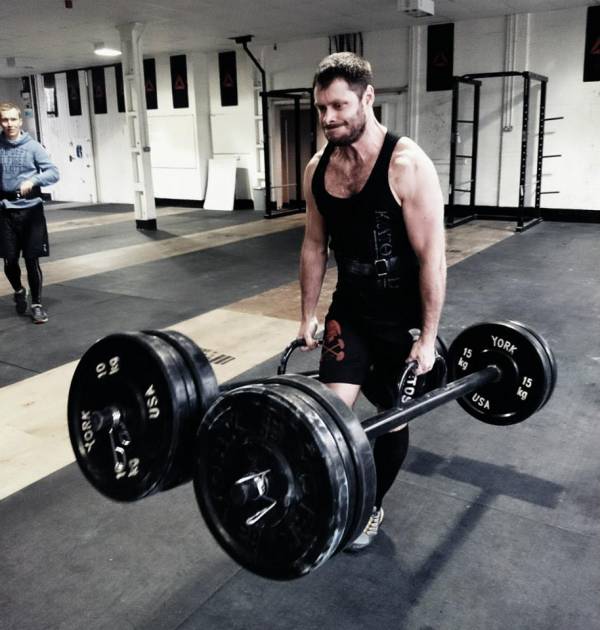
(382, 267)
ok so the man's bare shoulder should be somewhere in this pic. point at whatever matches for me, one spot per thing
(410, 166)
(314, 160)
(407, 155)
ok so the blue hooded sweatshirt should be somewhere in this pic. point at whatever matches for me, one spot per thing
(23, 159)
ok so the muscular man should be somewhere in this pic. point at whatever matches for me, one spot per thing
(375, 199)
(24, 168)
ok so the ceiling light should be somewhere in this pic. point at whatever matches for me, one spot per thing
(417, 8)
(105, 51)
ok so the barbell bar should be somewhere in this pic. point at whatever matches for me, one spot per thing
(284, 472)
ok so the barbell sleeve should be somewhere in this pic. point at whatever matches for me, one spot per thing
(387, 421)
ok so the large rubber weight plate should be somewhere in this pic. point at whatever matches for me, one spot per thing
(298, 521)
(205, 381)
(549, 356)
(526, 371)
(202, 390)
(142, 378)
(365, 477)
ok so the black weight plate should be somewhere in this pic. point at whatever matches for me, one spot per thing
(550, 357)
(365, 481)
(207, 387)
(141, 376)
(272, 428)
(194, 375)
(381, 389)
(526, 379)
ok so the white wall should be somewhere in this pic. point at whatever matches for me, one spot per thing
(10, 90)
(179, 138)
(233, 128)
(111, 148)
(479, 46)
(68, 141)
(557, 47)
(550, 43)
(178, 151)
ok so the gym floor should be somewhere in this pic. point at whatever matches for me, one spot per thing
(485, 526)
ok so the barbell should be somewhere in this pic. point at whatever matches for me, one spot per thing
(284, 472)
(135, 403)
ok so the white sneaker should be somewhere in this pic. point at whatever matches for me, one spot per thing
(370, 531)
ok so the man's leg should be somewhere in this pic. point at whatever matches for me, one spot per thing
(35, 244)
(348, 392)
(390, 452)
(10, 249)
(390, 449)
(12, 270)
(35, 279)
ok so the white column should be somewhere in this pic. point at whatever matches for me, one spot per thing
(137, 124)
(414, 82)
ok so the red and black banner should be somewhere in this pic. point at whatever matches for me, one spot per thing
(120, 89)
(179, 84)
(228, 78)
(73, 93)
(150, 84)
(50, 93)
(99, 90)
(440, 57)
(591, 66)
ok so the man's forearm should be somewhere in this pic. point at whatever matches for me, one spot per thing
(432, 281)
(313, 264)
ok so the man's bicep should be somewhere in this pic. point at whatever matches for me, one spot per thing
(315, 233)
(424, 211)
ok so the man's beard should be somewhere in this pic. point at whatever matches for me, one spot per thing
(356, 130)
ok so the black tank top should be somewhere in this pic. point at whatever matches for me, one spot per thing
(352, 223)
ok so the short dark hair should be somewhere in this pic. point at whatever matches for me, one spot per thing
(355, 70)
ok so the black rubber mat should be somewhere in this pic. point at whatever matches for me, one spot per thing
(150, 295)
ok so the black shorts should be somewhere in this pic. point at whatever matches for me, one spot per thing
(23, 230)
(352, 347)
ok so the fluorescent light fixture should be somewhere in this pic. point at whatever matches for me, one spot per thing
(105, 51)
(417, 8)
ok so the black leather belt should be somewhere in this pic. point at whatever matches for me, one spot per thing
(380, 268)
(15, 195)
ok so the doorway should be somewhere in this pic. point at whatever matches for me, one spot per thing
(68, 140)
(289, 186)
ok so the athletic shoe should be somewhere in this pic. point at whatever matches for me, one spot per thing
(20, 298)
(38, 314)
(369, 532)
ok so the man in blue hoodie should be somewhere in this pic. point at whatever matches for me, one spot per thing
(24, 168)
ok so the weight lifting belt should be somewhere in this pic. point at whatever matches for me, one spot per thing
(383, 272)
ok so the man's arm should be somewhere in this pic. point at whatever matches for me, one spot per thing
(47, 172)
(417, 185)
(313, 260)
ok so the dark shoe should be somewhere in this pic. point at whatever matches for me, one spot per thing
(38, 314)
(20, 298)
(370, 531)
